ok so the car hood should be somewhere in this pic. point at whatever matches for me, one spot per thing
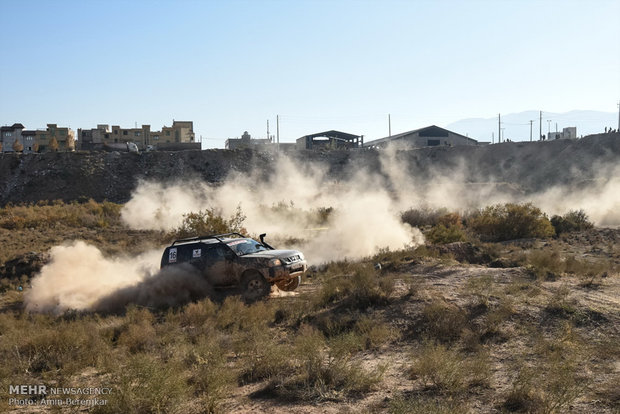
(270, 254)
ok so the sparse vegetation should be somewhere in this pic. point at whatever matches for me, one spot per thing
(575, 220)
(509, 222)
(417, 334)
(209, 221)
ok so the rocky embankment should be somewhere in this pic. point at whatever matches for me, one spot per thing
(527, 166)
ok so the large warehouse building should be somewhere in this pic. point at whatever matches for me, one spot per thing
(431, 136)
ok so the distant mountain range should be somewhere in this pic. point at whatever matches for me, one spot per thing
(517, 126)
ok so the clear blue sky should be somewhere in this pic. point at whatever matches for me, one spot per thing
(229, 66)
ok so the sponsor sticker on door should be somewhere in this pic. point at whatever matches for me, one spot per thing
(196, 253)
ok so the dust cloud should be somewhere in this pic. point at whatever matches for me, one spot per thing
(80, 278)
(365, 217)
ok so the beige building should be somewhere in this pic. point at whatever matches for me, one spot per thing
(53, 138)
(181, 132)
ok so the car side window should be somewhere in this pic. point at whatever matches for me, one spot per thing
(215, 254)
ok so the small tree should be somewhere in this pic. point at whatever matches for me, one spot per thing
(35, 147)
(0, 146)
(53, 144)
(18, 146)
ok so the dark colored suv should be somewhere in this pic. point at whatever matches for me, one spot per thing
(233, 260)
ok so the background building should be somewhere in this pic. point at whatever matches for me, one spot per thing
(424, 137)
(330, 140)
(246, 141)
(179, 136)
(567, 133)
(53, 138)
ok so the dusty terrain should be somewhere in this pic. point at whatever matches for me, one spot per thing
(528, 325)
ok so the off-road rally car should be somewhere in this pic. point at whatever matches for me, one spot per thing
(233, 260)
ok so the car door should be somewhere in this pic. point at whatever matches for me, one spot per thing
(219, 266)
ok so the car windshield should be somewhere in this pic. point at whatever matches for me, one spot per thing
(245, 246)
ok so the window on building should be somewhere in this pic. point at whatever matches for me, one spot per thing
(167, 133)
(124, 132)
(8, 134)
(155, 137)
(137, 133)
(116, 132)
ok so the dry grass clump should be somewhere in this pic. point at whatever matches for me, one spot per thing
(442, 321)
(322, 372)
(422, 404)
(48, 214)
(446, 370)
(145, 384)
(359, 288)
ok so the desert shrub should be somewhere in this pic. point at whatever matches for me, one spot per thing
(51, 345)
(545, 264)
(420, 217)
(209, 221)
(263, 355)
(510, 221)
(145, 384)
(49, 214)
(550, 386)
(138, 332)
(442, 321)
(441, 234)
(447, 370)
(210, 375)
(374, 332)
(574, 220)
(323, 373)
(360, 290)
(425, 405)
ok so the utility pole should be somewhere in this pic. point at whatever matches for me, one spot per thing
(389, 125)
(548, 127)
(502, 136)
(618, 116)
(540, 127)
(531, 123)
(278, 132)
(492, 137)
(499, 128)
(268, 131)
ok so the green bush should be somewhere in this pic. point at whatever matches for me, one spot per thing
(420, 217)
(574, 220)
(509, 222)
(440, 234)
(209, 221)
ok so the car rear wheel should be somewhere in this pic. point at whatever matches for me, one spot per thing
(254, 286)
(289, 284)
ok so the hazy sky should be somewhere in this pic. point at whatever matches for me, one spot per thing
(230, 66)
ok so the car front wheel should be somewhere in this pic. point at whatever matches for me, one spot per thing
(254, 286)
(289, 285)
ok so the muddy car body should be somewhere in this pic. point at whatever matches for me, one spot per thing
(233, 260)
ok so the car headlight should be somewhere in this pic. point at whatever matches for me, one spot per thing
(275, 262)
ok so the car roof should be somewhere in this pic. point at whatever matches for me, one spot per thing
(208, 240)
